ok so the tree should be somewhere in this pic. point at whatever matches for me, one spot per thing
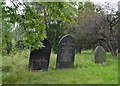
(56, 24)
(118, 26)
(34, 22)
(80, 29)
(102, 25)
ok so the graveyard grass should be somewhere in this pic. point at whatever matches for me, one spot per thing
(15, 70)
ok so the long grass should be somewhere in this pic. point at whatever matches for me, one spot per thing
(85, 71)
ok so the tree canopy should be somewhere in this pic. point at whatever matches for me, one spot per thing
(31, 21)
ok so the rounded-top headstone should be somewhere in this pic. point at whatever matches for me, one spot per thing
(100, 55)
(66, 52)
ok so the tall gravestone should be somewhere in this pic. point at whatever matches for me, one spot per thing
(66, 52)
(39, 59)
(100, 55)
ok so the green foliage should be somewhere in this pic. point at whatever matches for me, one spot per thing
(58, 15)
(55, 33)
(15, 71)
(34, 21)
(28, 21)
(0, 29)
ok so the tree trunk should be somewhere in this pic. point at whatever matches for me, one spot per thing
(112, 49)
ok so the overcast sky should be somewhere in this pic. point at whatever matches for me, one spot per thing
(102, 3)
(113, 3)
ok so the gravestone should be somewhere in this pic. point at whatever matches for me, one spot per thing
(8, 47)
(20, 45)
(119, 50)
(39, 59)
(66, 52)
(100, 55)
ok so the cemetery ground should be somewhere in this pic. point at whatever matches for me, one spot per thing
(85, 71)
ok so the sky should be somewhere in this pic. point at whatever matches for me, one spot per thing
(102, 3)
(113, 3)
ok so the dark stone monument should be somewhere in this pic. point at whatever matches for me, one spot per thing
(20, 45)
(119, 50)
(100, 55)
(8, 47)
(39, 59)
(66, 52)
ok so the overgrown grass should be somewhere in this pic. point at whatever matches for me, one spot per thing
(0, 69)
(15, 71)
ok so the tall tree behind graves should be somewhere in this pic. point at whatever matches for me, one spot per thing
(80, 29)
(100, 24)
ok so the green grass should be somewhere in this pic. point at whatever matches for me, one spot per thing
(15, 71)
(0, 69)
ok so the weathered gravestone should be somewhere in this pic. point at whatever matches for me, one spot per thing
(39, 59)
(20, 45)
(100, 55)
(8, 47)
(66, 52)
